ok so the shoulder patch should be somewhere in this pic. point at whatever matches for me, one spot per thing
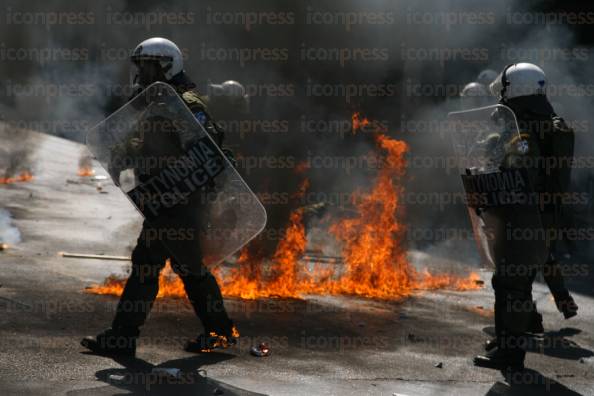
(520, 143)
(523, 147)
(201, 117)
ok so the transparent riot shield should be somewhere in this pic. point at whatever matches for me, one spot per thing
(192, 198)
(498, 168)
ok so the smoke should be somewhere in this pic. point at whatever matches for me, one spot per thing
(16, 152)
(307, 67)
(85, 160)
(8, 233)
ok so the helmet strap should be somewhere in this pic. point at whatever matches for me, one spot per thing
(504, 82)
(167, 67)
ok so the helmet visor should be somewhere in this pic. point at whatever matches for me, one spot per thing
(147, 70)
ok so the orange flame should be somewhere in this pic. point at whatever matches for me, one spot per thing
(373, 249)
(170, 285)
(24, 176)
(372, 240)
(357, 122)
(86, 172)
(85, 165)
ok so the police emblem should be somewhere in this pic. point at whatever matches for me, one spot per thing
(201, 117)
(523, 146)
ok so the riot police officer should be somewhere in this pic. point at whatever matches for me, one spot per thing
(522, 87)
(159, 59)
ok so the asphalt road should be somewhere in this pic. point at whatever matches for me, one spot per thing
(320, 345)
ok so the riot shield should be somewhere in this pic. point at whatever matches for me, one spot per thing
(497, 165)
(192, 198)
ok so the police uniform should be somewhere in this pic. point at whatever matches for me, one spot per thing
(149, 256)
(555, 141)
(542, 135)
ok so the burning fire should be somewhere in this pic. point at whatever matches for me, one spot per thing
(373, 249)
(86, 172)
(85, 166)
(170, 285)
(357, 122)
(24, 176)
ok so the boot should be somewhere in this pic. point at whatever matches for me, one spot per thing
(506, 354)
(120, 342)
(535, 325)
(490, 344)
(566, 305)
(501, 359)
(212, 341)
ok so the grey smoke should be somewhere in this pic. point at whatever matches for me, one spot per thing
(70, 114)
(16, 151)
(8, 232)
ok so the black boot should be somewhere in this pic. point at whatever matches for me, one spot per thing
(566, 305)
(490, 344)
(132, 310)
(212, 341)
(506, 354)
(121, 342)
(501, 359)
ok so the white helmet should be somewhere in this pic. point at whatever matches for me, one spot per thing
(474, 95)
(229, 88)
(486, 77)
(519, 79)
(473, 90)
(159, 49)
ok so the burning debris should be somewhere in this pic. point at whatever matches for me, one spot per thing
(261, 350)
(374, 255)
(15, 154)
(85, 165)
(24, 176)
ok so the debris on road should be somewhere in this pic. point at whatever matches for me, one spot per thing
(93, 256)
(261, 350)
(413, 338)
